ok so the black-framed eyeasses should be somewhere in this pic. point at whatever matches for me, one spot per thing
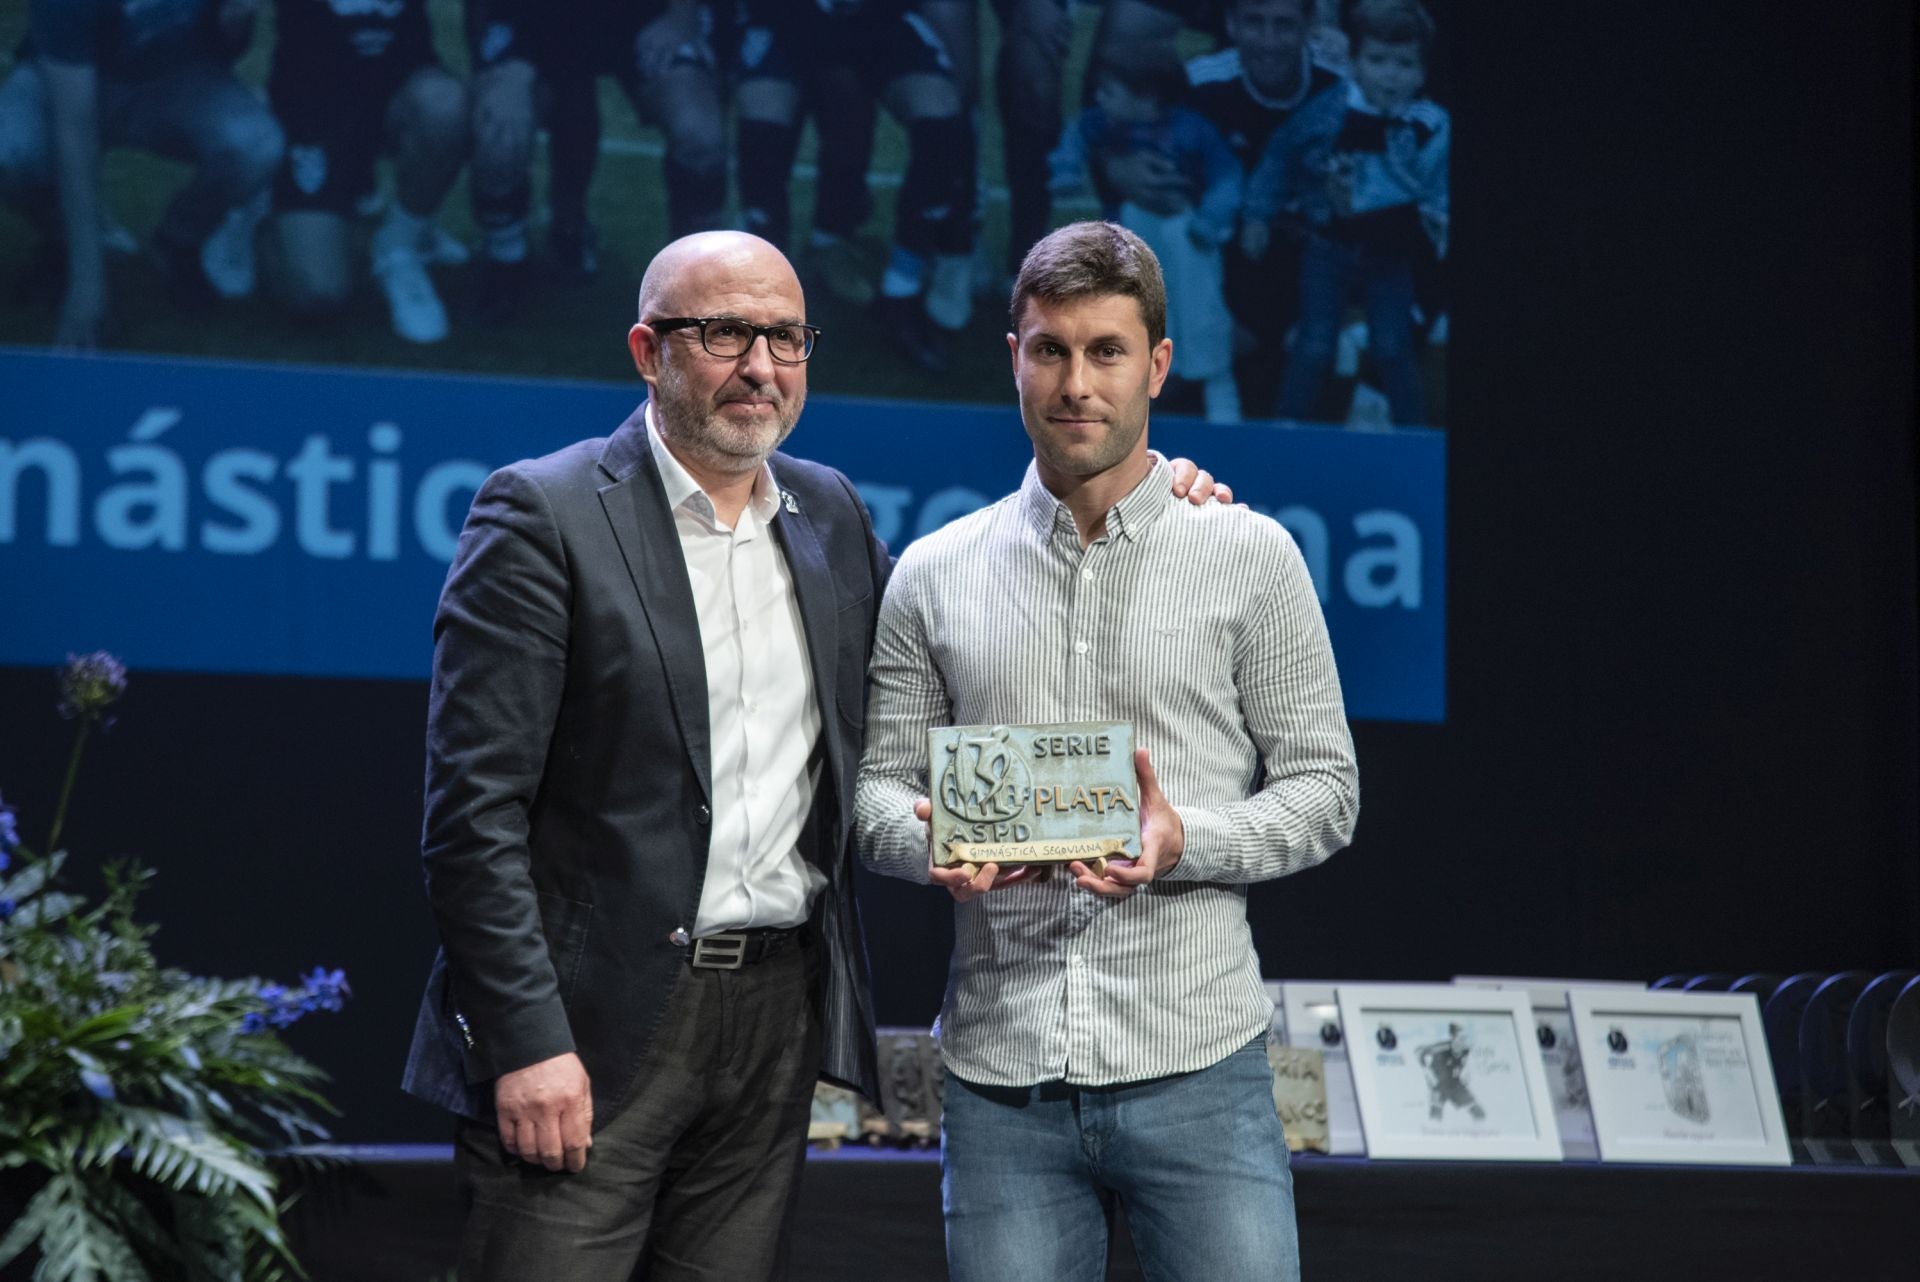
(729, 337)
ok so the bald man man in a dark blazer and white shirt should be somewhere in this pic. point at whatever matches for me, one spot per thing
(648, 693)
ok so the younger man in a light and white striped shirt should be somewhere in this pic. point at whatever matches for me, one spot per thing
(1103, 1033)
